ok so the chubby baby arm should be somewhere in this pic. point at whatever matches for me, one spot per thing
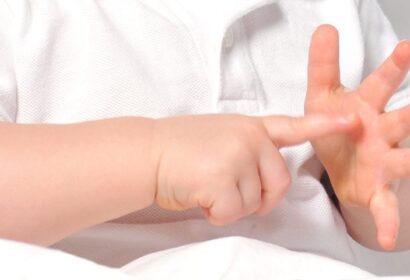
(363, 166)
(58, 179)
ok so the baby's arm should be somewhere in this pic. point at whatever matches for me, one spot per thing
(57, 179)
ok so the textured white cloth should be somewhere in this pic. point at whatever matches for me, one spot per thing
(236, 258)
(22, 261)
(67, 61)
(226, 258)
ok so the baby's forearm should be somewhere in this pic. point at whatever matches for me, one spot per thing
(361, 226)
(57, 179)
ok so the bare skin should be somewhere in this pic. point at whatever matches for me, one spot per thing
(363, 165)
(58, 179)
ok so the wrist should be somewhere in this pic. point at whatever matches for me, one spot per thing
(360, 226)
(147, 161)
(160, 133)
(342, 185)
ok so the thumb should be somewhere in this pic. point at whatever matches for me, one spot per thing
(385, 210)
(289, 131)
(323, 68)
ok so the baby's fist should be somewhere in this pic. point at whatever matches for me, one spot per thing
(229, 165)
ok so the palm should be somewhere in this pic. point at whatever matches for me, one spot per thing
(355, 159)
(360, 165)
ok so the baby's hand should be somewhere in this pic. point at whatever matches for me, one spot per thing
(362, 165)
(229, 165)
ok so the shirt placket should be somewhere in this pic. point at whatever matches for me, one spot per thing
(220, 36)
(239, 86)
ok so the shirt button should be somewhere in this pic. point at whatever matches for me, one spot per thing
(229, 39)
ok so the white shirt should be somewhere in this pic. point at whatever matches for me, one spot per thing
(68, 61)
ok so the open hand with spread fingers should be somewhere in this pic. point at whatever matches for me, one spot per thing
(362, 165)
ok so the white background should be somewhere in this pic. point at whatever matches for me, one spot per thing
(398, 12)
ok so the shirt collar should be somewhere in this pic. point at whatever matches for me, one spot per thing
(208, 21)
(215, 16)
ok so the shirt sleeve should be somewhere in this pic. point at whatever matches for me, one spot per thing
(379, 42)
(8, 85)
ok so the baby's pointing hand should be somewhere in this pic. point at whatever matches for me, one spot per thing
(230, 165)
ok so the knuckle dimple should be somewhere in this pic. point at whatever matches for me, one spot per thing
(240, 148)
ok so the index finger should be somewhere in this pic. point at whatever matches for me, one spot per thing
(289, 131)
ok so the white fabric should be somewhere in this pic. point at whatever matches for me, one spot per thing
(239, 259)
(23, 261)
(228, 258)
(67, 61)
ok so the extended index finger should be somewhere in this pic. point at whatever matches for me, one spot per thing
(288, 131)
